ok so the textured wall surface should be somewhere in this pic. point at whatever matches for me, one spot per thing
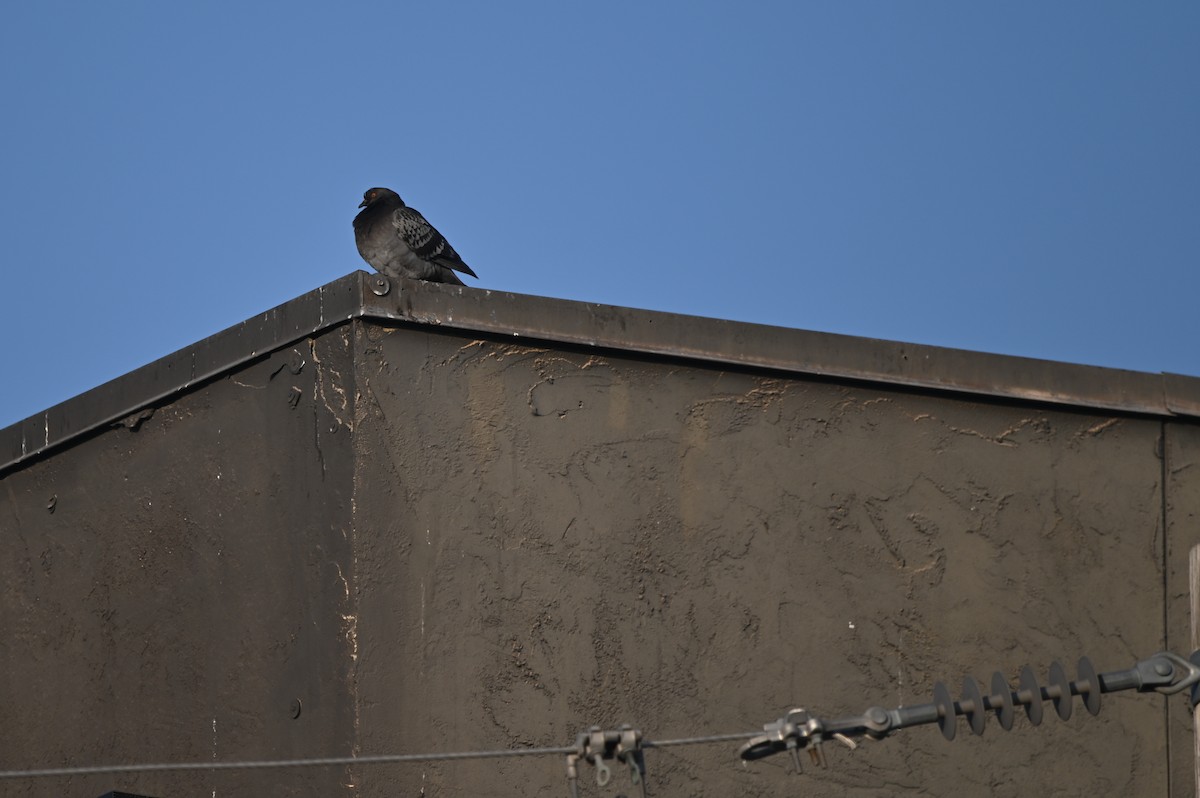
(549, 539)
(439, 542)
(172, 584)
(1182, 510)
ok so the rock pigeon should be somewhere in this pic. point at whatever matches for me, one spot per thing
(397, 241)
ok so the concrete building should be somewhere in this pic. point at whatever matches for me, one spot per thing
(411, 518)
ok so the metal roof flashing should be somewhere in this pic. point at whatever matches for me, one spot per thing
(372, 296)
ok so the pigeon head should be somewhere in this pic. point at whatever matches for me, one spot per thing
(385, 195)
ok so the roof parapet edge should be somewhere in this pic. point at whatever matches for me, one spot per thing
(788, 350)
(328, 305)
(371, 296)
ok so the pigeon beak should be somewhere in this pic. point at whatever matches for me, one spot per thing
(362, 204)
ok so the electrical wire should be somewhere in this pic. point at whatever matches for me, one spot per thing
(280, 763)
(712, 738)
(344, 760)
(1165, 672)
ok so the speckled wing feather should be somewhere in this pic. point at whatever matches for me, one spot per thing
(425, 241)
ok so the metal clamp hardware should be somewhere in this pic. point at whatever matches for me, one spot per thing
(595, 746)
(1168, 673)
(799, 729)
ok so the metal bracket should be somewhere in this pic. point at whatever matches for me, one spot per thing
(1168, 673)
(799, 729)
(596, 746)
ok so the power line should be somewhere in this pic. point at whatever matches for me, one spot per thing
(712, 738)
(282, 763)
(346, 760)
(1165, 673)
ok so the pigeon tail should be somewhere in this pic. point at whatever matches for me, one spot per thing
(452, 278)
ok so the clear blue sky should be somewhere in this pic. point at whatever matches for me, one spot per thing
(1021, 178)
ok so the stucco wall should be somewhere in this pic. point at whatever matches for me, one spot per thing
(549, 539)
(444, 542)
(172, 584)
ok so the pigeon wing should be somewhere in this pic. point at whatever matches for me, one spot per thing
(425, 241)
